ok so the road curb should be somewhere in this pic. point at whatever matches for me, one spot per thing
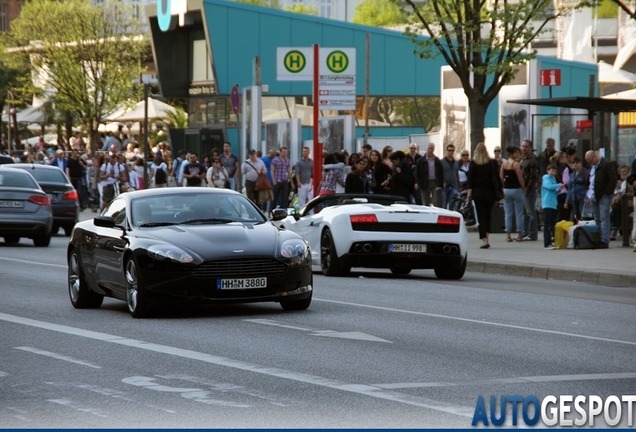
(602, 278)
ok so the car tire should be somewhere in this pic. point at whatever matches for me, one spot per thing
(42, 241)
(398, 270)
(329, 262)
(78, 291)
(11, 239)
(68, 230)
(135, 293)
(296, 305)
(452, 272)
(55, 229)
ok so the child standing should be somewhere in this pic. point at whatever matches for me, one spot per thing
(549, 204)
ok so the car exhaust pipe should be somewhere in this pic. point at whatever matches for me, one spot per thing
(454, 249)
(446, 249)
(358, 248)
(367, 247)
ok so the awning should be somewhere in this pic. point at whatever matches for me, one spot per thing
(592, 104)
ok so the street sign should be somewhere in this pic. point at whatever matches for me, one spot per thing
(550, 77)
(294, 64)
(235, 99)
(337, 78)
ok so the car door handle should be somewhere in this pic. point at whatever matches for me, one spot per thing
(119, 248)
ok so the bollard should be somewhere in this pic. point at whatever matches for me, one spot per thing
(438, 197)
(626, 223)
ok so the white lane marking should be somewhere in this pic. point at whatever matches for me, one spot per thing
(275, 324)
(96, 411)
(327, 333)
(195, 394)
(350, 335)
(4, 374)
(475, 321)
(57, 356)
(32, 262)
(361, 389)
(517, 380)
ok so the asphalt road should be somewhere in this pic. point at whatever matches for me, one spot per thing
(372, 351)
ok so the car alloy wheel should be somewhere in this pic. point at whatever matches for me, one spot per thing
(134, 292)
(80, 294)
(329, 262)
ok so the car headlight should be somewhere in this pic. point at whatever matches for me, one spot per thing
(169, 252)
(295, 251)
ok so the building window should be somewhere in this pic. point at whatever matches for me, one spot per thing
(325, 9)
(4, 17)
(201, 62)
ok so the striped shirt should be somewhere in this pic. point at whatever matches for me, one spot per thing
(280, 169)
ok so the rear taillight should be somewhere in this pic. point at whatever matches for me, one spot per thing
(70, 195)
(364, 218)
(448, 220)
(40, 200)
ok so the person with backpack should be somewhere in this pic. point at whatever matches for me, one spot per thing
(159, 172)
(176, 167)
(577, 188)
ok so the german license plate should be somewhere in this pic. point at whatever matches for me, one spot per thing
(11, 204)
(248, 283)
(407, 247)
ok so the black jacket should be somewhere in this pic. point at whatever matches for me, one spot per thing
(605, 179)
(632, 175)
(422, 171)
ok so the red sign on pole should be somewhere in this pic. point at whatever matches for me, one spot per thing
(550, 77)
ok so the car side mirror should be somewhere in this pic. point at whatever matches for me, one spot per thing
(104, 222)
(279, 214)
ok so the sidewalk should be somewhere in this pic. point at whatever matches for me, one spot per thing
(615, 266)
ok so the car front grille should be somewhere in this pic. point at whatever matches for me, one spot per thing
(405, 227)
(245, 267)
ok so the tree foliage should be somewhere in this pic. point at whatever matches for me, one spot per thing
(302, 9)
(379, 13)
(626, 6)
(482, 41)
(84, 57)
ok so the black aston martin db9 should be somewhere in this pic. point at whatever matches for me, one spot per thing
(160, 246)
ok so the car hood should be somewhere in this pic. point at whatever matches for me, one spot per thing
(212, 241)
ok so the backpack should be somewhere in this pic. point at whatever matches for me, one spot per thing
(160, 176)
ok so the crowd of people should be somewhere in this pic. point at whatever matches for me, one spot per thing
(535, 191)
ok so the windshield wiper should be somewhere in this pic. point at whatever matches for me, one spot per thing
(156, 224)
(207, 220)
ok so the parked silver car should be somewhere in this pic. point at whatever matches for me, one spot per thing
(25, 209)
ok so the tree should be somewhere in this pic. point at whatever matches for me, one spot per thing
(482, 41)
(88, 55)
(379, 13)
(626, 6)
(302, 9)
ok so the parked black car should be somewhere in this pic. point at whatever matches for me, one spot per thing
(59, 188)
(25, 210)
(198, 245)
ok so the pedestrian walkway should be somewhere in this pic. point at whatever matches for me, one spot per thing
(615, 266)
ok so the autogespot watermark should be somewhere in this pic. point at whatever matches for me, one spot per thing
(560, 411)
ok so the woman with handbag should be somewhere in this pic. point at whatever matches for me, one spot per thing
(250, 171)
(485, 188)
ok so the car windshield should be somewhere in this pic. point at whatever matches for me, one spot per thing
(17, 179)
(340, 199)
(194, 209)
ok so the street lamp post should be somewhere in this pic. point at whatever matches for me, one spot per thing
(9, 117)
(146, 141)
